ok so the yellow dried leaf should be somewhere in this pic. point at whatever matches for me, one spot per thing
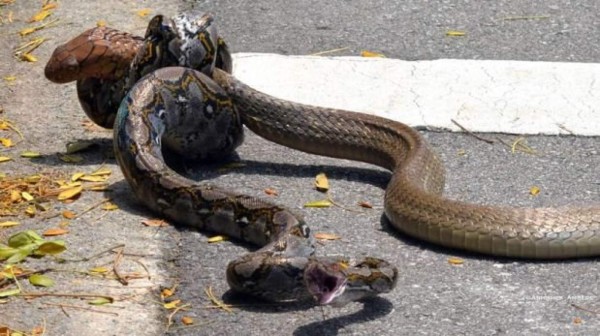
(33, 178)
(55, 232)
(4, 158)
(30, 210)
(39, 16)
(49, 6)
(327, 236)
(9, 224)
(29, 57)
(534, 191)
(30, 154)
(64, 185)
(69, 193)
(187, 320)
(321, 182)
(99, 187)
(101, 171)
(455, 33)
(78, 146)
(10, 78)
(70, 158)
(166, 292)
(455, 261)
(217, 239)
(27, 31)
(144, 12)
(154, 222)
(98, 270)
(577, 320)
(367, 53)
(6, 142)
(90, 178)
(100, 23)
(109, 206)
(68, 214)
(76, 176)
(27, 196)
(172, 305)
(15, 196)
(318, 204)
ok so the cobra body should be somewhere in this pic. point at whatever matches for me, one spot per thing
(413, 203)
(186, 112)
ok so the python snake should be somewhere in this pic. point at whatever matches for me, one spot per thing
(171, 107)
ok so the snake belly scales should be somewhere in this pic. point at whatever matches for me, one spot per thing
(173, 89)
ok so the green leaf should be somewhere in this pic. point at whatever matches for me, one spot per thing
(10, 292)
(18, 256)
(51, 247)
(41, 280)
(6, 252)
(24, 238)
(100, 301)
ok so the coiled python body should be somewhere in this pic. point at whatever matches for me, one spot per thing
(183, 110)
(413, 203)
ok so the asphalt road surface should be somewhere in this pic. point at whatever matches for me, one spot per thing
(483, 296)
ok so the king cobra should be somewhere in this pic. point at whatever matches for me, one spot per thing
(173, 90)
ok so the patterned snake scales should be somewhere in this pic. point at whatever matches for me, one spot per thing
(172, 107)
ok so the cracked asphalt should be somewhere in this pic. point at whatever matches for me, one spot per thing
(483, 296)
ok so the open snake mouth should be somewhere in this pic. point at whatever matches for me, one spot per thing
(325, 282)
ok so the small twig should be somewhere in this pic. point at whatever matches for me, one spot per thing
(93, 207)
(330, 199)
(564, 128)
(97, 254)
(471, 133)
(64, 305)
(144, 267)
(526, 17)
(116, 263)
(585, 309)
(71, 295)
(175, 311)
(329, 51)
(211, 296)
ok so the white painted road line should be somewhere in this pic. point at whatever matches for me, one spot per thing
(484, 96)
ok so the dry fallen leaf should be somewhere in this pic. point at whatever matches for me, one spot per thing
(318, 204)
(9, 223)
(69, 193)
(30, 154)
(534, 191)
(454, 33)
(365, 204)
(217, 239)
(456, 261)
(154, 222)
(39, 16)
(109, 206)
(271, 192)
(187, 320)
(321, 182)
(6, 142)
(55, 232)
(4, 158)
(367, 53)
(172, 305)
(144, 12)
(68, 214)
(326, 236)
